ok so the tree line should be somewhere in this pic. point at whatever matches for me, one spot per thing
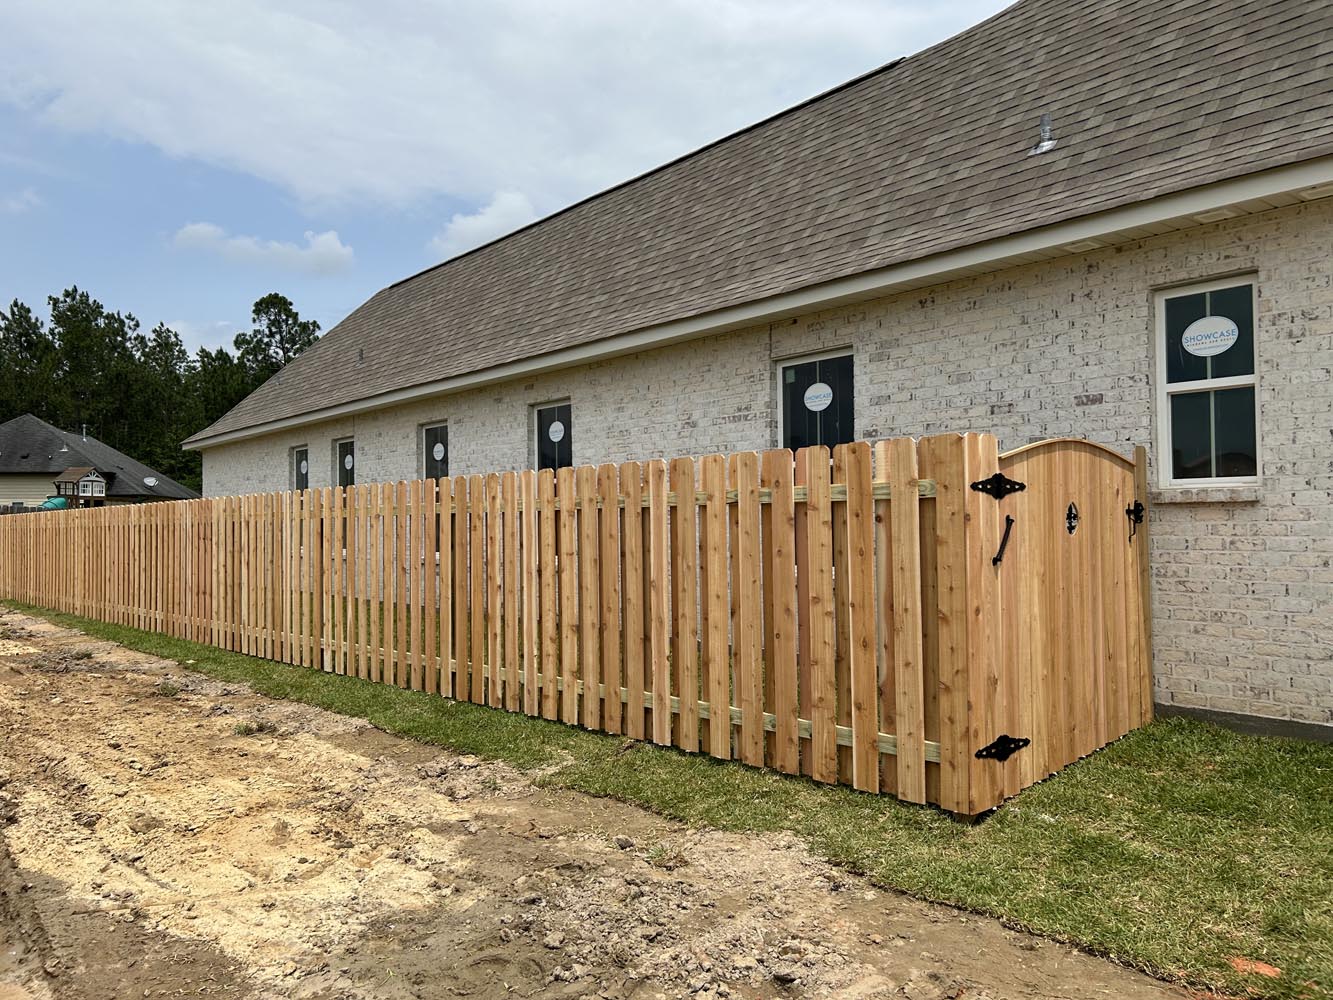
(140, 392)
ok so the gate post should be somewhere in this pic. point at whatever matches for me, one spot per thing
(972, 703)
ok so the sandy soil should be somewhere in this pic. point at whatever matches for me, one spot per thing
(148, 850)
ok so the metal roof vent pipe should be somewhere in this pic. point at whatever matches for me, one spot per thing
(1047, 141)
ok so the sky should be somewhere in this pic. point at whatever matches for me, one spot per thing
(178, 160)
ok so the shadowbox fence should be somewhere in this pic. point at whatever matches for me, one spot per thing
(928, 619)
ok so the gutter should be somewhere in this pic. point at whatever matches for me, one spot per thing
(1054, 240)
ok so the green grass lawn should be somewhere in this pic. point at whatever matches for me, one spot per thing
(1175, 850)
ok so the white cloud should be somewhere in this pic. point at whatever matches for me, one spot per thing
(402, 101)
(323, 253)
(19, 201)
(507, 211)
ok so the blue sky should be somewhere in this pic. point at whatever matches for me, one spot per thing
(179, 160)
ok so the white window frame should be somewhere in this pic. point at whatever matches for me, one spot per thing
(291, 465)
(534, 424)
(337, 465)
(421, 443)
(1166, 390)
(780, 364)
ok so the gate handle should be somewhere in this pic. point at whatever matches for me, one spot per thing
(1135, 514)
(1004, 542)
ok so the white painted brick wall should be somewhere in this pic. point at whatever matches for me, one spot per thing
(1243, 599)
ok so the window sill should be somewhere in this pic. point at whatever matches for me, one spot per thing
(1206, 494)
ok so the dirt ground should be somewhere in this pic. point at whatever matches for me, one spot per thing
(149, 850)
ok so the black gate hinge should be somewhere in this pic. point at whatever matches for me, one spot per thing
(999, 486)
(1004, 747)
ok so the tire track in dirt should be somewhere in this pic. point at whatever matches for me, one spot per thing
(321, 858)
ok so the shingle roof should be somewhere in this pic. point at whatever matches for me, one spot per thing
(30, 446)
(925, 155)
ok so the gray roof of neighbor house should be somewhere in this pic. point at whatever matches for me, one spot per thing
(30, 446)
(927, 154)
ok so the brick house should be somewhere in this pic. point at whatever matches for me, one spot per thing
(1097, 219)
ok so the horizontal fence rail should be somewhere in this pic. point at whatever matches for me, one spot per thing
(821, 613)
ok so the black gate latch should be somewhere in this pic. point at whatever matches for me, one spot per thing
(1004, 747)
(1071, 517)
(1135, 514)
(999, 486)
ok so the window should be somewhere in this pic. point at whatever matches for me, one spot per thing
(555, 445)
(435, 451)
(1206, 410)
(300, 468)
(817, 401)
(345, 457)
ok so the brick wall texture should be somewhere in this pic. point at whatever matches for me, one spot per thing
(1243, 579)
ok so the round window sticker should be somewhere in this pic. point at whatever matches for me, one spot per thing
(556, 432)
(347, 462)
(438, 451)
(1208, 336)
(818, 397)
(305, 467)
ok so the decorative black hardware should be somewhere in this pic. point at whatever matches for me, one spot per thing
(1135, 514)
(1071, 517)
(1004, 747)
(999, 486)
(1004, 542)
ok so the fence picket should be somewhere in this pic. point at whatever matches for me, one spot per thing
(820, 617)
(904, 587)
(861, 618)
(444, 541)
(714, 583)
(685, 604)
(547, 570)
(659, 627)
(527, 498)
(631, 488)
(780, 609)
(567, 533)
(608, 498)
(513, 584)
(746, 622)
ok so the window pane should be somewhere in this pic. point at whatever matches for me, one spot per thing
(1233, 430)
(1181, 311)
(346, 463)
(818, 405)
(1191, 447)
(436, 444)
(301, 469)
(555, 437)
(1237, 305)
(1213, 434)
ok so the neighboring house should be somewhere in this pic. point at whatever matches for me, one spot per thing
(910, 254)
(38, 462)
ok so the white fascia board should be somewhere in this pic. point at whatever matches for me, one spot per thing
(872, 284)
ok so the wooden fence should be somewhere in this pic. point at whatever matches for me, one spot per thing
(853, 616)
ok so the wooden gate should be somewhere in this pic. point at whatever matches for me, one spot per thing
(1074, 601)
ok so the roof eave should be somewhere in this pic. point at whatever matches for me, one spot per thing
(1059, 239)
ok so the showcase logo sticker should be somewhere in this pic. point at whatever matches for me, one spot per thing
(1209, 336)
(818, 397)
